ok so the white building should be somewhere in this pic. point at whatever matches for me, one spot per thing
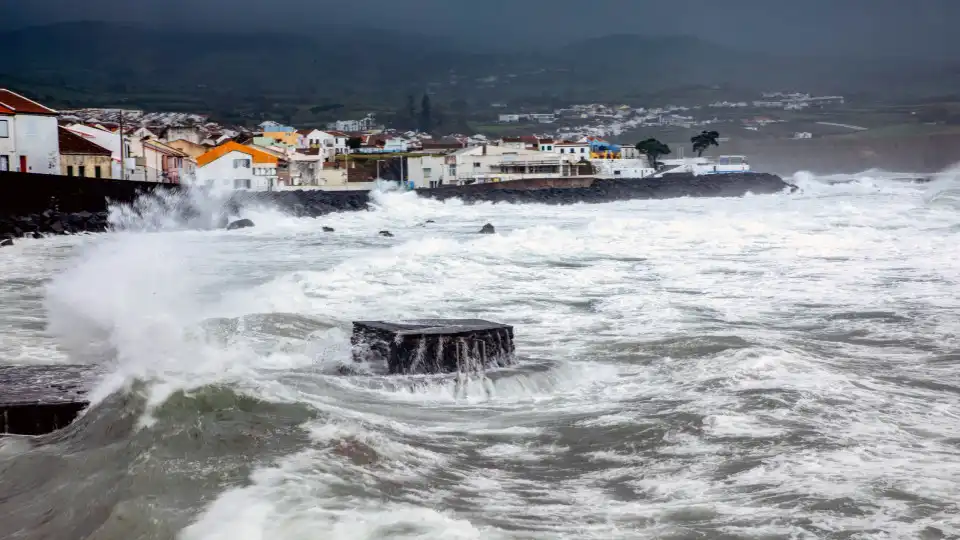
(354, 125)
(185, 133)
(233, 166)
(333, 143)
(29, 139)
(481, 164)
(628, 151)
(573, 151)
(622, 168)
(111, 141)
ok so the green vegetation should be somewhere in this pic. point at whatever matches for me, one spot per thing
(704, 140)
(337, 73)
(653, 149)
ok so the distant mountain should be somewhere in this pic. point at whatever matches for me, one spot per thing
(243, 77)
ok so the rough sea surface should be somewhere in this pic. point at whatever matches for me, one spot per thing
(776, 366)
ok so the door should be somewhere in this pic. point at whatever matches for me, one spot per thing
(23, 163)
(4, 163)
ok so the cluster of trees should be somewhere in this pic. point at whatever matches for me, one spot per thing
(653, 149)
(410, 118)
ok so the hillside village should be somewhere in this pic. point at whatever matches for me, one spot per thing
(353, 154)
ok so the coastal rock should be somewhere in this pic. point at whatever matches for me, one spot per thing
(487, 229)
(432, 346)
(386, 233)
(328, 229)
(6, 242)
(240, 224)
(37, 217)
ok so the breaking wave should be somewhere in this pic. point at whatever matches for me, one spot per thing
(765, 366)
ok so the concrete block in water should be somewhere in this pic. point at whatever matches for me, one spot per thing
(433, 345)
(41, 399)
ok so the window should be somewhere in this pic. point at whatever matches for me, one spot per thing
(583, 150)
(427, 171)
(476, 165)
(241, 183)
(4, 129)
(69, 170)
(81, 171)
(97, 172)
(241, 164)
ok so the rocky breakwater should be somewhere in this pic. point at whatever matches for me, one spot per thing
(50, 222)
(67, 215)
(611, 190)
(318, 203)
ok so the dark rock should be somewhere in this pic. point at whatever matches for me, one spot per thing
(37, 235)
(488, 229)
(240, 224)
(6, 242)
(65, 206)
(386, 233)
(42, 399)
(328, 229)
(433, 346)
(429, 221)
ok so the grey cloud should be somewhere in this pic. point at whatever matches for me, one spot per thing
(861, 27)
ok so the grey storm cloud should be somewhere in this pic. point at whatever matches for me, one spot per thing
(860, 27)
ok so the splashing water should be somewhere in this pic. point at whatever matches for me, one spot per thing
(764, 367)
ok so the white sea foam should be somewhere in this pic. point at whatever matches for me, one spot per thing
(706, 365)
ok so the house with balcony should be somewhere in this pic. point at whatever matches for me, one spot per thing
(29, 136)
(165, 164)
(486, 163)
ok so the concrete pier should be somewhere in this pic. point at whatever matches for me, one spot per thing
(40, 399)
(433, 345)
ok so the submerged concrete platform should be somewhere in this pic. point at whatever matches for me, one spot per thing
(41, 399)
(428, 346)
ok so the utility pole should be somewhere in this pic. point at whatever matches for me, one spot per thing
(123, 161)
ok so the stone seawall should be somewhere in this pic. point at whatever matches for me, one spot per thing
(37, 205)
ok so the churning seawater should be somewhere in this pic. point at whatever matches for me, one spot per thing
(782, 366)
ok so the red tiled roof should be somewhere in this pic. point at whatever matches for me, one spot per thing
(13, 103)
(72, 143)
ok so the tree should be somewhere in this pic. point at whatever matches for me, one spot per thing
(354, 143)
(653, 149)
(408, 117)
(426, 115)
(704, 140)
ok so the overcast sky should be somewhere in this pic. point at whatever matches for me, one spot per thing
(908, 27)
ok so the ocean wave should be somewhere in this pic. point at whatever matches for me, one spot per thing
(750, 366)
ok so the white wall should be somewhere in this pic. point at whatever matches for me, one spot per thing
(622, 168)
(574, 153)
(187, 133)
(427, 171)
(221, 174)
(8, 144)
(37, 139)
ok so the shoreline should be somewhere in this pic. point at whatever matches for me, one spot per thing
(90, 215)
